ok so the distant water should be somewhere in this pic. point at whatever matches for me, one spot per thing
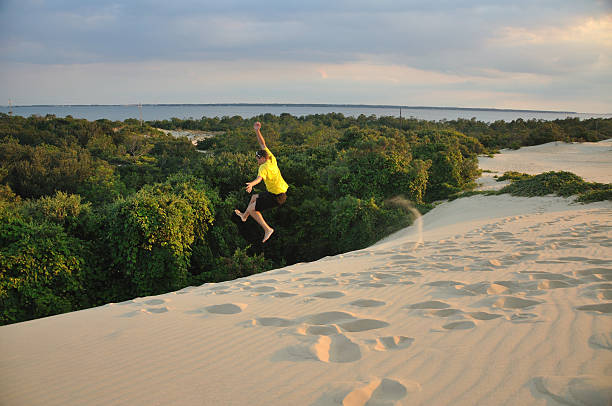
(197, 111)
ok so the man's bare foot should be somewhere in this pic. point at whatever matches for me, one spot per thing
(243, 216)
(267, 235)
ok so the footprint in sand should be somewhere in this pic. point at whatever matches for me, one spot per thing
(127, 302)
(432, 304)
(372, 285)
(601, 291)
(336, 348)
(264, 289)
(443, 266)
(390, 343)
(186, 290)
(550, 262)
(494, 262)
(325, 348)
(511, 302)
(605, 295)
(282, 294)
(280, 272)
(404, 262)
(444, 284)
(217, 288)
(600, 308)
(227, 308)
(344, 274)
(272, 322)
(380, 392)
(355, 326)
(484, 316)
(596, 261)
(541, 275)
(595, 274)
(319, 330)
(328, 295)
(405, 283)
(399, 259)
(328, 318)
(264, 281)
(346, 321)
(576, 390)
(446, 312)
(154, 302)
(324, 281)
(460, 325)
(503, 236)
(157, 310)
(574, 259)
(524, 317)
(377, 276)
(133, 313)
(150, 310)
(602, 341)
(367, 303)
(482, 288)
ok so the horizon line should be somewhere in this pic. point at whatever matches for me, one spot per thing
(379, 106)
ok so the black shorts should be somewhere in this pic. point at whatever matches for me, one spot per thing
(267, 200)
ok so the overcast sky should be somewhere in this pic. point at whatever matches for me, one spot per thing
(524, 54)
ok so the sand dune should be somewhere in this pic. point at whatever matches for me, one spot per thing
(590, 160)
(492, 300)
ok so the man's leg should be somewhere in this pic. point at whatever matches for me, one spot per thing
(260, 220)
(249, 210)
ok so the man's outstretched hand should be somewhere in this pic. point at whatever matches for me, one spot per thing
(257, 126)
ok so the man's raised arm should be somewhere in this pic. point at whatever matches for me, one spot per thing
(260, 138)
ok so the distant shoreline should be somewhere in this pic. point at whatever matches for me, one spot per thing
(369, 106)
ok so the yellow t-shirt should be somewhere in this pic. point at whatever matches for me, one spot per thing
(271, 175)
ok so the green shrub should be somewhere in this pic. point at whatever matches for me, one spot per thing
(40, 270)
(559, 183)
(596, 195)
(356, 223)
(240, 265)
(151, 234)
(513, 176)
(62, 208)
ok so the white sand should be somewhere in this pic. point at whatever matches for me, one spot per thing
(507, 301)
(590, 160)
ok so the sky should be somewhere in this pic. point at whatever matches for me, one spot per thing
(519, 54)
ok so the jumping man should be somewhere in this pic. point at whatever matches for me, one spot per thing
(275, 185)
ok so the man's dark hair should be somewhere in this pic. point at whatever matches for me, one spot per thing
(262, 153)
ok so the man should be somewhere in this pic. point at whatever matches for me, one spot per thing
(275, 185)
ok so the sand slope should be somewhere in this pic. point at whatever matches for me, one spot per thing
(589, 160)
(486, 301)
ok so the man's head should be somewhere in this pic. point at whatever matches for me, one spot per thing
(261, 155)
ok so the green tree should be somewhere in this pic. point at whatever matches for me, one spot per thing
(453, 165)
(151, 235)
(40, 270)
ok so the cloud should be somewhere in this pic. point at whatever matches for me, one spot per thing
(325, 31)
(583, 45)
(479, 48)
